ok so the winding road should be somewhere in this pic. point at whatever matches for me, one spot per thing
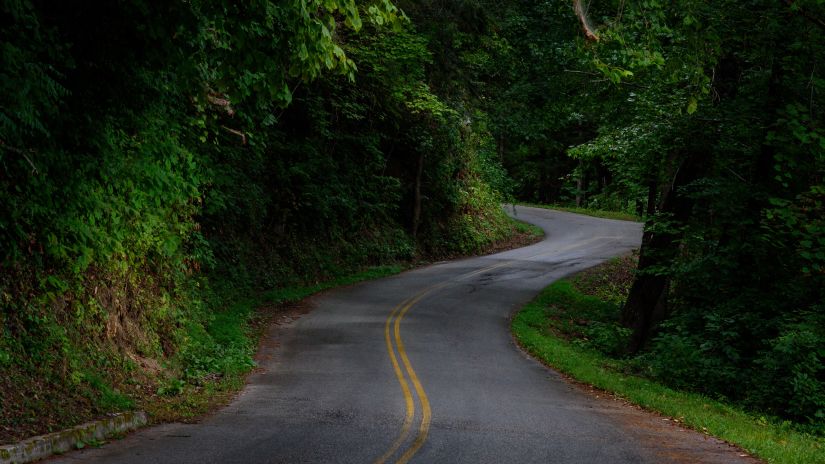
(420, 367)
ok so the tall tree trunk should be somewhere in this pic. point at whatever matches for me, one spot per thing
(501, 150)
(646, 304)
(417, 198)
(580, 185)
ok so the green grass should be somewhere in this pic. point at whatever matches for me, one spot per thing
(527, 228)
(619, 215)
(535, 332)
(297, 293)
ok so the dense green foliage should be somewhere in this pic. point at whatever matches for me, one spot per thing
(573, 327)
(707, 118)
(159, 160)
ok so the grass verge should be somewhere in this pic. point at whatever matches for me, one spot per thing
(531, 230)
(619, 215)
(550, 328)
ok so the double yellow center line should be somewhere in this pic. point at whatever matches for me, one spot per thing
(392, 337)
(392, 333)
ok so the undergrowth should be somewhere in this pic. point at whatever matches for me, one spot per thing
(573, 327)
(216, 361)
(177, 362)
(153, 187)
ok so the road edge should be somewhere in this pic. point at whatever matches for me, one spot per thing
(43, 446)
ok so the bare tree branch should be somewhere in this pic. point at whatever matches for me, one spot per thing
(589, 32)
(21, 153)
(232, 131)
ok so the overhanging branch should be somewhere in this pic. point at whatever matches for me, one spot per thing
(589, 32)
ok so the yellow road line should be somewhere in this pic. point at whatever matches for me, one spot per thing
(405, 389)
(426, 413)
(394, 320)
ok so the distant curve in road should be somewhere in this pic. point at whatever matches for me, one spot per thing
(420, 367)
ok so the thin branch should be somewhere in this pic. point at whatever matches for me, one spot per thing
(737, 175)
(236, 132)
(620, 12)
(587, 73)
(812, 86)
(21, 153)
(34, 168)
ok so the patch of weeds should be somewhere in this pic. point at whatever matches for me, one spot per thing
(607, 338)
(609, 282)
(527, 228)
(109, 399)
(172, 387)
(586, 320)
(80, 444)
(193, 401)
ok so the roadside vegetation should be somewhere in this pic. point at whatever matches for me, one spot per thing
(599, 213)
(162, 165)
(226, 351)
(573, 326)
(707, 120)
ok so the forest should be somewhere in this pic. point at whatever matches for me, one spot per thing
(160, 159)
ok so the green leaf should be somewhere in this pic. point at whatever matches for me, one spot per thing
(692, 105)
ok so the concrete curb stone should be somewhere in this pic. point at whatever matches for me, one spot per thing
(43, 446)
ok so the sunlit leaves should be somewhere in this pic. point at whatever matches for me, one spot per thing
(266, 48)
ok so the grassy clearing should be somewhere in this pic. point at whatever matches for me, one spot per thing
(619, 215)
(570, 331)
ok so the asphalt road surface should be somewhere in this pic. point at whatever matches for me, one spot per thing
(421, 367)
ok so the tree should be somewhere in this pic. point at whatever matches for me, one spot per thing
(719, 293)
